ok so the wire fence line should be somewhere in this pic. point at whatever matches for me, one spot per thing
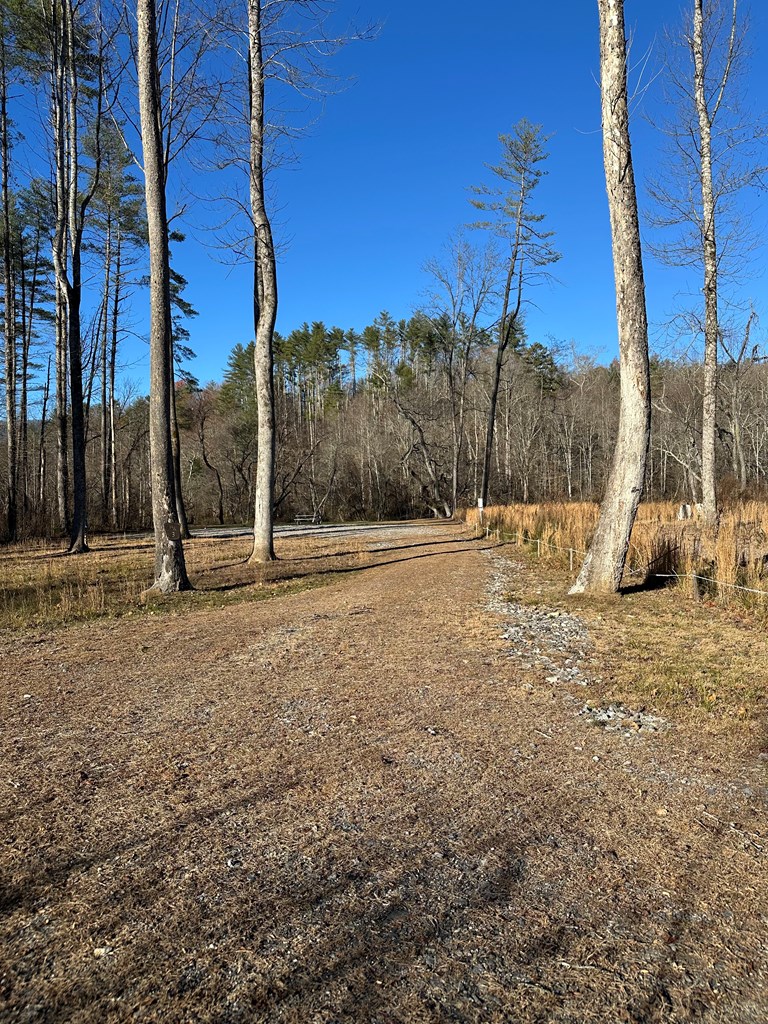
(632, 572)
(709, 579)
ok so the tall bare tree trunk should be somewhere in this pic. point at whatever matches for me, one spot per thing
(43, 460)
(709, 245)
(530, 248)
(264, 299)
(75, 214)
(112, 367)
(62, 426)
(104, 375)
(170, 568)
(604, 565)
(58, 64)
(181, 510)
(507, 326)
(29, 299)
(10, 310)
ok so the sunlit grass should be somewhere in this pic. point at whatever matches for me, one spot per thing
(44, 586)
(660, 544)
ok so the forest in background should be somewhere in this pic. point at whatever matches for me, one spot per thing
(390, 422)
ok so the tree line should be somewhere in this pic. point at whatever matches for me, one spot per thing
(390, 422)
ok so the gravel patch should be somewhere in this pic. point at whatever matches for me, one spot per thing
(620, 718)
(540, 637)
(557, 644)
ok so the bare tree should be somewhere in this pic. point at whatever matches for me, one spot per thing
(677, 418)
(264, 295)
(189, 87)
(742, 357)
(464, 283)
(170, 567)
(288, 44)
(706, 111)
(712, 159)
(604, 564)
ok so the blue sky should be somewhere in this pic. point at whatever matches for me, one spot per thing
(383, 176)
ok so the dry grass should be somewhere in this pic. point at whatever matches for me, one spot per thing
(45, 587)
(48, 587)
(660, 544)
(698, 662)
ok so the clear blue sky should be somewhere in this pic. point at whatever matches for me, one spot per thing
(383, 176)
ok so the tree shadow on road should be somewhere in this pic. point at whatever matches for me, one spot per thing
(374, 551)
(278, 576)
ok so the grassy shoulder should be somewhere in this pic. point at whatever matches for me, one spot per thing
(45, 587)
(685, 659)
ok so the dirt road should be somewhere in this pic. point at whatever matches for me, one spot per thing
(355, 804)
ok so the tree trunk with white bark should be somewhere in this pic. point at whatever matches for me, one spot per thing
(709, 250)
(264, 299)
(603, 566)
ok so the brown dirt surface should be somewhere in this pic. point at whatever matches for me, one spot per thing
(354, 803)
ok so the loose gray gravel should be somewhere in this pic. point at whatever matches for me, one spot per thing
(620, 718)
(557, 645)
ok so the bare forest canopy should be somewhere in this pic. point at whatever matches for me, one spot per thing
(347, 450)
(403, 418)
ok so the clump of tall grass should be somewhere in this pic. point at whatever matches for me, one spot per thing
(564, 524)
(660, 545)
(40, 586)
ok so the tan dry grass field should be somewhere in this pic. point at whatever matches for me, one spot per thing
(357, 802)
(660, 544)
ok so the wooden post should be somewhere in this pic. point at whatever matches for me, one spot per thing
(570, 558)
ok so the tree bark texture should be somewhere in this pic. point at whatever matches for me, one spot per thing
(709, 248)
(73, 285)
(603, 566)
(264, 299)
(11, 531)
(170, 568)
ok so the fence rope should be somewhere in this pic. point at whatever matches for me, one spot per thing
(640, 572)
(708, 579)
